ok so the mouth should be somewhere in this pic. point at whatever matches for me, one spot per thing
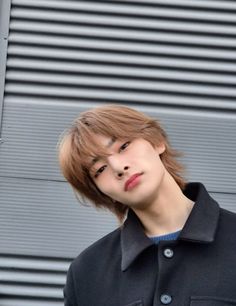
(132, 181)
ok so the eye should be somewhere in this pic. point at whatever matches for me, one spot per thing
(124, 146)
(99, 171)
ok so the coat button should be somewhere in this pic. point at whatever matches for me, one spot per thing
(166, 299)
(168, 253)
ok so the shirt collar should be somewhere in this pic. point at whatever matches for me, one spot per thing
(200, 226)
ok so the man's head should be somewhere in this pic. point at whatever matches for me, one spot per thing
(107, 147)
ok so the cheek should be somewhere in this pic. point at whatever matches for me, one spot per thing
(148, 159)
(105, 183)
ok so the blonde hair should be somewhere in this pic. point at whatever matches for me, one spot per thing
(116, 121)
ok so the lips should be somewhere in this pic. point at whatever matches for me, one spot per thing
(131, 181)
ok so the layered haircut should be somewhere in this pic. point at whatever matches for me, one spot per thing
(78, 147)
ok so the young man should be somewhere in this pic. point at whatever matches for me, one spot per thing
(175, 244)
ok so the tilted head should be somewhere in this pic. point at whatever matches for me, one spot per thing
(79, 149)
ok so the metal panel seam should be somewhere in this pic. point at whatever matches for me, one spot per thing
(5, 8)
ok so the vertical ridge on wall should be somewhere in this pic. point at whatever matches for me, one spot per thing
(4, 30)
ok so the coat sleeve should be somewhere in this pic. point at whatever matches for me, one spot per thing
(69, 290)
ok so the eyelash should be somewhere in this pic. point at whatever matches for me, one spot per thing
(122, 148)
(100, 170)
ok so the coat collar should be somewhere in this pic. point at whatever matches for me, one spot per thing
(203, 219)
(200, 226)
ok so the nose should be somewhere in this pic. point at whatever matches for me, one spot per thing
(121, 173)
(118, 166)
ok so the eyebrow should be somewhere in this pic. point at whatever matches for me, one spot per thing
(110, 143)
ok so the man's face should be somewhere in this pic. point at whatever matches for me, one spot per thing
(132, 173)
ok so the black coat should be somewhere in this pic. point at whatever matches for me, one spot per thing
(125, 268)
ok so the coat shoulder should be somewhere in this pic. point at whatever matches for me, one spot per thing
(103, 248)
(227, 226)
(228, 216)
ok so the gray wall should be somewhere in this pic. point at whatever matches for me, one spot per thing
(174, 60)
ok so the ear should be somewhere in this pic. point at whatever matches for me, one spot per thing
(160, 148)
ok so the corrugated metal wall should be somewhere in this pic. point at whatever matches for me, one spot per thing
(174, 60)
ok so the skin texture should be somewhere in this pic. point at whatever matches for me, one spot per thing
(156, 198)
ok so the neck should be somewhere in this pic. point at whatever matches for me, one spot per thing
(168, 212)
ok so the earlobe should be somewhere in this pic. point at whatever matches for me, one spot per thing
(161, 148)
